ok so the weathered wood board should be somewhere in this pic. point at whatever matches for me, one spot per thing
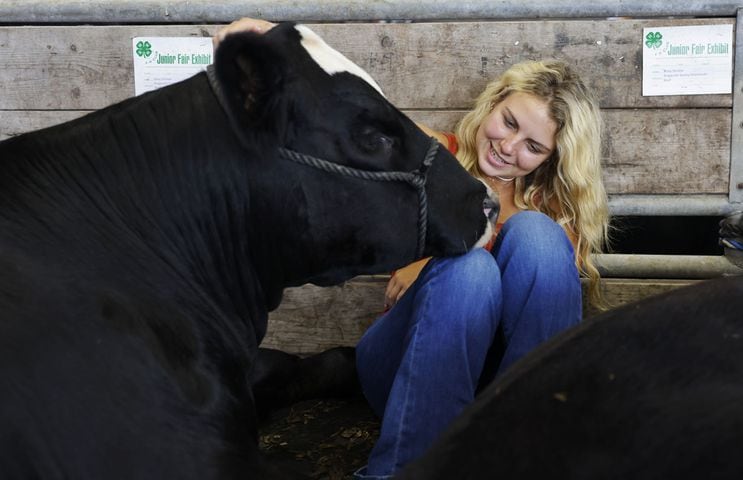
(312, 319)
(433, 71)
(419, 65)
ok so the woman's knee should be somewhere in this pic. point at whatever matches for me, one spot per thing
(537, 235)
(529, 224)
(473, 272)
(466, 290)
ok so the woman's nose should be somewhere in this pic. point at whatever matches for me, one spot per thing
(507, 145)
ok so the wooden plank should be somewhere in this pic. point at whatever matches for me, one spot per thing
(312, 319)
(620, 291)
(16, 122)
(454, 61)
(420, 66)
(735, 193)
(645, 151)
(73, 68)
(667, 151)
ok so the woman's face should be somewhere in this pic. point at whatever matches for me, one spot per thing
(516, 137)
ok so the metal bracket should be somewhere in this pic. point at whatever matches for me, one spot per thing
(736, 136)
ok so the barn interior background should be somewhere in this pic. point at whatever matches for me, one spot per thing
(673, 164)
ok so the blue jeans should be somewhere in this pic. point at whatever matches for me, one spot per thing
(420, 364)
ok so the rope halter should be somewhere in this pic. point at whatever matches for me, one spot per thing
(416, 178)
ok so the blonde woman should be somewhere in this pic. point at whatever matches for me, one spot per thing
(534, 137)
(453, 324)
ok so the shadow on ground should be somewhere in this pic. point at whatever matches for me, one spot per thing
(323, 439)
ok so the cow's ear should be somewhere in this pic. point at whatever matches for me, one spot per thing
(251, 70)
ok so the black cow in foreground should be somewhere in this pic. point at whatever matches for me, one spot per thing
(142, 246)
(652, 390)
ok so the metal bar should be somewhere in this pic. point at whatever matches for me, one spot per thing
(672, 205)
(736, 136)
(664, 266)
(148, 11)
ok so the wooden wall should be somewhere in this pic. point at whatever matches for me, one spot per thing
(433, 71)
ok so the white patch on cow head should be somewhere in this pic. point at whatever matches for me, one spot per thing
(330, 59)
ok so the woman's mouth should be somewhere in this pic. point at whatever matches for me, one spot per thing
(495, 159)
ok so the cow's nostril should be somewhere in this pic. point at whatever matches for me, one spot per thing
(489, 203)
(491, 209)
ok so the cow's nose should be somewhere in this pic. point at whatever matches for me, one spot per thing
(491, 208)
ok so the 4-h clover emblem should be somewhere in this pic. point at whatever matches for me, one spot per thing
(144, 49)
(653, 40)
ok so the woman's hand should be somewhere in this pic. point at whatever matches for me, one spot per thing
(401, 280)
(243, 25)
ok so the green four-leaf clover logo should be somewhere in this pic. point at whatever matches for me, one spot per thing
(653, 40)
(144, 49)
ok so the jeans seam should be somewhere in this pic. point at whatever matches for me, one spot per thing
(414, 347)
(406, 404)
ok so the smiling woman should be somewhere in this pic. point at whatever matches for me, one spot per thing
(517, 137)
(455, 323)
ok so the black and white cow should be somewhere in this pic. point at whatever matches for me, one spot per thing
(142, 246)
(652, 390)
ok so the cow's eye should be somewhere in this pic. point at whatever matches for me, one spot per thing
(383, 141)
(374, 141)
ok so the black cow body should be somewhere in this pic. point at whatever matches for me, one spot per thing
(652, 390)
(142, 246)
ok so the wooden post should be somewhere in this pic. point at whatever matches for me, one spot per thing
(736, 137)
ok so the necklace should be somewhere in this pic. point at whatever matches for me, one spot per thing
(493, 184)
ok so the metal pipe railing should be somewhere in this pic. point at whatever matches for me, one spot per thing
(672, 205)
(148, 11)
(665, 266)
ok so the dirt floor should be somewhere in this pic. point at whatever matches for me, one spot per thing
(323, 439)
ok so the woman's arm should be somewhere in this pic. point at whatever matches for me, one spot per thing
(401, 280)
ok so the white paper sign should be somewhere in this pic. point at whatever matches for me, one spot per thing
(160, 61)
(688, 60)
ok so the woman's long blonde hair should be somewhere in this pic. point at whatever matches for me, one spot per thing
(568, 186)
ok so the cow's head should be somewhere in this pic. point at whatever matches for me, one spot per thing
(288, 91)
